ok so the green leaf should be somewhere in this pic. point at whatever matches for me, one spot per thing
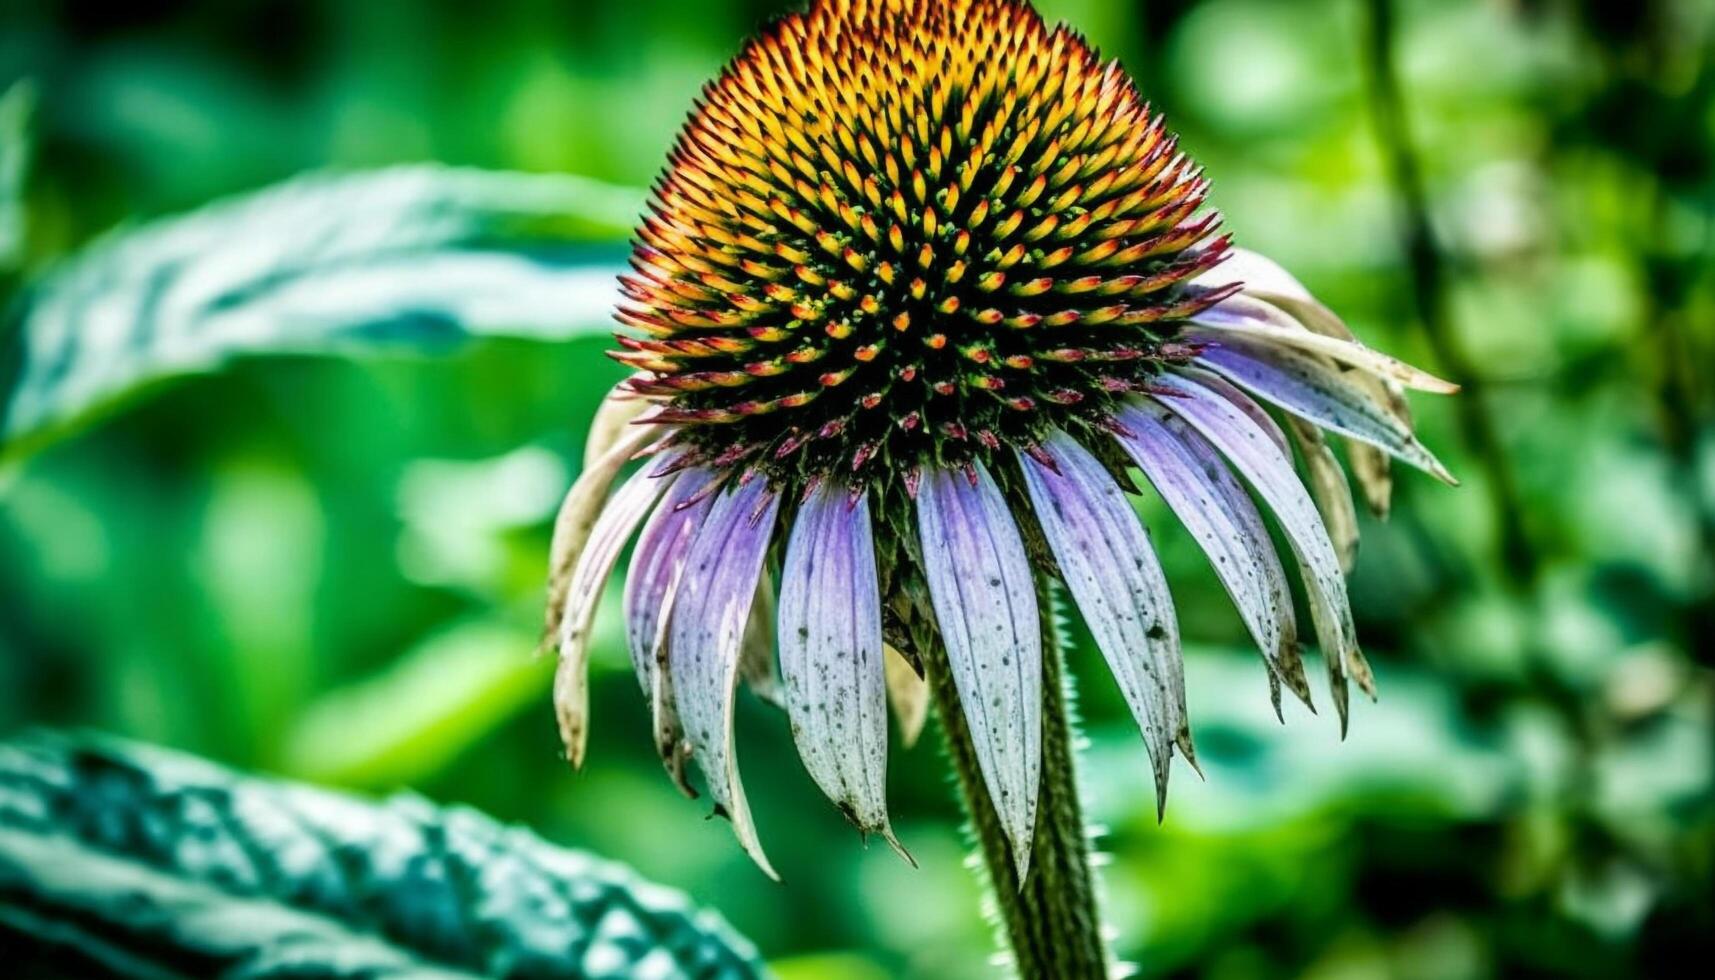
(417, 257)
(128, 860)
(422, 710)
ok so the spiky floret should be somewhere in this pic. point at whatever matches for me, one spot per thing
(908, 232)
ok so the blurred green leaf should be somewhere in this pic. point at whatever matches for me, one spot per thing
(411, 720)
(418, 257)
(1261, 772)
(120, 859)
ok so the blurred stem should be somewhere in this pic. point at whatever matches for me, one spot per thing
(1429, 290)
(1430, 282)
(1051, 920)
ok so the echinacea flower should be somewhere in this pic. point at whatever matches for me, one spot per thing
(926, 291)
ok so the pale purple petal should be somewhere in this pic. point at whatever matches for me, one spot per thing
(1208, 499)
(1265, 280)
(584, 590)
(831, 655)
(1315, 389)
(650, 584)
(710, 610)
(1111, 570)
(984, 595)
(1244, 403)
(1254, 454)
(1244, 315)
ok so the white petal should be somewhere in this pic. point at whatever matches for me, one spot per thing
(1253, 454)
(831, 655)
(984, 594)
(710, 610)
(1111, 570)
(584, 591)
(1196, 483)
(618, 414)
(577, 517)
(1247, 316)
(1257, 272)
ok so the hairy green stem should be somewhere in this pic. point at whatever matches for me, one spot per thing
(1051, 920)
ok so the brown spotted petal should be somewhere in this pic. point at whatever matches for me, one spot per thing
(578, 515)
(1249, 317)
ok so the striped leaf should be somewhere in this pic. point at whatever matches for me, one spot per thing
(122, 860)
(415, 257)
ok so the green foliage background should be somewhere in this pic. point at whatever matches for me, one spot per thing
(331, 569)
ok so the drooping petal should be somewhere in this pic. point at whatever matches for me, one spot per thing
(984, 596)
(650, 585)
(1314, 388)
(1253, 454)
(1111, 570)
(831, 655)
(584, 590)
(1208, 499)
(617, 415)
(756, 653)
(710, 610)
(577, 518)
(1373, 469)
(1244, 315)
(1372, 466)
(1331, 490)
(1258, 273)
(1265, 280)
(909, 694)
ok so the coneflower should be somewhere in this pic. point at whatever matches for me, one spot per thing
(925, 292)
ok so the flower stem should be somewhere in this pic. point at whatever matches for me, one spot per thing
(1051, 922)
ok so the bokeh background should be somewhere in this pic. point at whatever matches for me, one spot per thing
(331, 569)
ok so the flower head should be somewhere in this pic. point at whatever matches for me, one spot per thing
(925, 283)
